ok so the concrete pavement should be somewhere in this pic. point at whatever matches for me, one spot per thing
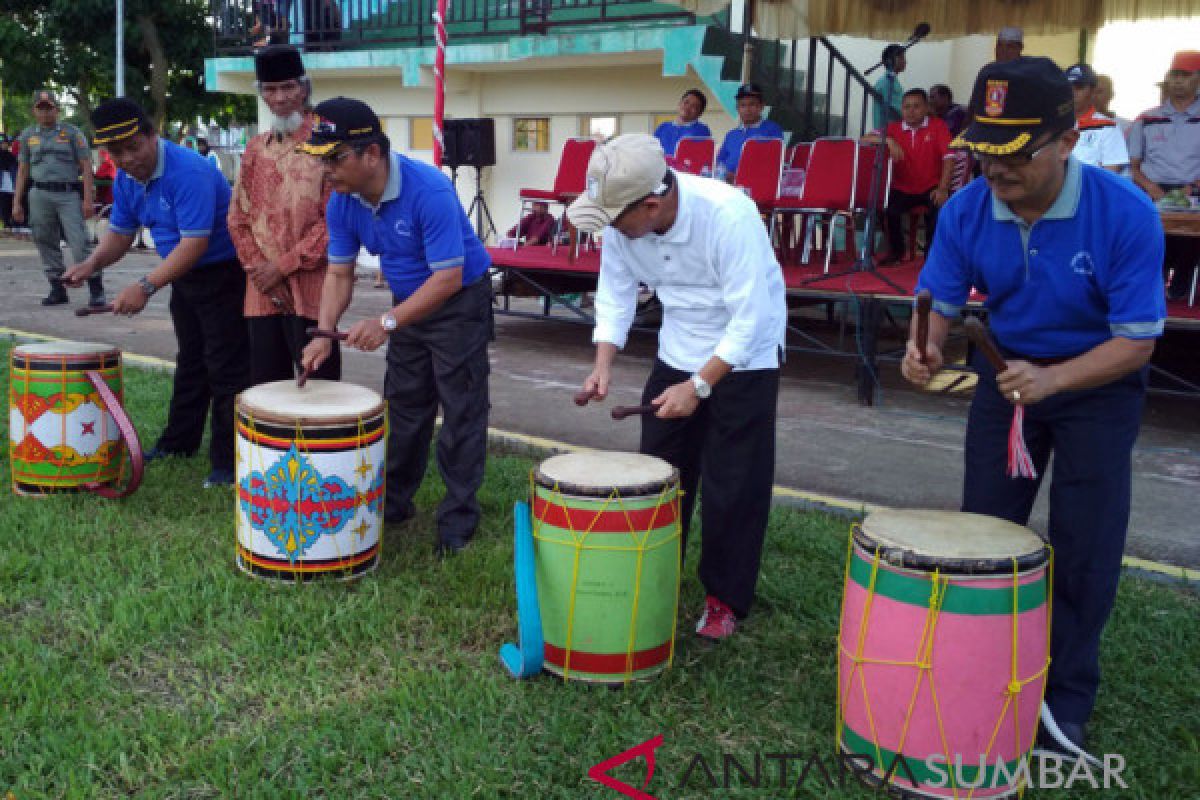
(907, 451)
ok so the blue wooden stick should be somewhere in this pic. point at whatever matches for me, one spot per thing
(524, 661)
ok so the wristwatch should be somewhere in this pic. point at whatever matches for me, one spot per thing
(147, 287)
(703, 389)
(388, 322)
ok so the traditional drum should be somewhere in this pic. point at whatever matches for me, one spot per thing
(66, 424)
(310, 479)
(606, 534)
(943, 651)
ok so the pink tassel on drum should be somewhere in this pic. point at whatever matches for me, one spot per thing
(1020, 462)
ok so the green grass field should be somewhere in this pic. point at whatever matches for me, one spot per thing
(138, 662)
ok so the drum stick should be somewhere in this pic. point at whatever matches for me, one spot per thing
(338, 335)
(87, 311)
(924, 304)
(980, 337)
(621, 412)
(583, 397)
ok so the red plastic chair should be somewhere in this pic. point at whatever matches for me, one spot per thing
(828, 193)
(694, 155)
(569, 182)
(797, 156)
(759, 170)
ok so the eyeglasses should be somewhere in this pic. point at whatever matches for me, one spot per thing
(332, 159)
(1014, 161)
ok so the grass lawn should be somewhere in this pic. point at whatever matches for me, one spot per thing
(138, 662)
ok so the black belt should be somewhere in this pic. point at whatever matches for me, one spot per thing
(58, 187)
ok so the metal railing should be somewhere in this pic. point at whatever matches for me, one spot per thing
(323, 25)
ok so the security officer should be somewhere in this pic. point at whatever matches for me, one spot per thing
(1069, 258)
(57, 158)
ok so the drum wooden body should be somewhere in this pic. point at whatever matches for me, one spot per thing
(943, 651)
(310, 480)
(606, 533)
(62, 434)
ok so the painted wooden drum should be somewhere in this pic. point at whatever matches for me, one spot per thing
(62, 432)
(943, 651)
(310, 480)
(606, 532)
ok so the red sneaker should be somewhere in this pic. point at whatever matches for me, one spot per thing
(718, 621)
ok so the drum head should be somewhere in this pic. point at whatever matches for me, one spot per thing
(597, 473)
(62, 349)
(967, 544)
(317, 402)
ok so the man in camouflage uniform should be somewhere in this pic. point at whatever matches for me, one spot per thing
(56, 157)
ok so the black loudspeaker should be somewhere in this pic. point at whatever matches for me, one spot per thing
(470, 143)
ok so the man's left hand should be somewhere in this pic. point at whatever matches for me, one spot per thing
(677, 401)
(366, 334)
(130, 300)
(266, 278)
(940, 196)
(1025, 384)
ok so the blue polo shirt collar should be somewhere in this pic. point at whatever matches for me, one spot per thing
(391, 190)
(1063, 207)
(160, 166)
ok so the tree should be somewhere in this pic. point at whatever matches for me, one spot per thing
(70, 44)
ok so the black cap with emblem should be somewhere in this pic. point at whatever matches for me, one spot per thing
(1014, 103)
(338, 120)
(117, 119)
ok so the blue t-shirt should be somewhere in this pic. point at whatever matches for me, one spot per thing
(669, 134)
(1089, 270)
(418, 227)
(731, 149)
(185, 198)
(897, 100)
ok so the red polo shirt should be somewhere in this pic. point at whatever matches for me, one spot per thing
(925, 147)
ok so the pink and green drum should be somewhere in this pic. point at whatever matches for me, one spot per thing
(606, 533)
(67, 429)
(943, 651)
(311, 462)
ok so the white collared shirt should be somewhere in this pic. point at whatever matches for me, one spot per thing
(715, 274)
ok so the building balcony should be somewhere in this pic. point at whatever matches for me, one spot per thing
(342, 25)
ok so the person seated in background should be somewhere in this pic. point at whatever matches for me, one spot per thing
(536, 228)
(921, 172)
(942, 106)
(686, 123)
(1103, 99)
(1009, 44)
(750, 113)
(106, 174)
(1164, 151)
(894, 62)
(1100, 141)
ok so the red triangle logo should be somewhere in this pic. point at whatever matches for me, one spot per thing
(599, 773)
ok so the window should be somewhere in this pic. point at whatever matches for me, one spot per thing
(659, 119)
(420, 133)
(605, 127)
(531, 134)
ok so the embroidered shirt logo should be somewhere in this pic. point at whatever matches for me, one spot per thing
(593, 189)
(997, 93)
(1082, 264)
(402, 228)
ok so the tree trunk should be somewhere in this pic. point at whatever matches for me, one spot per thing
(158, 68)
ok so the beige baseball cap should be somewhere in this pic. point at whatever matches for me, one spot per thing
(621, 172)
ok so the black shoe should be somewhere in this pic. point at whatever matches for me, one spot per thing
(155, 453)
(1061, 739)
(398, 517)
(451, 545)
(96, 290)
(891, 259)
(57, 296)
(219, 477)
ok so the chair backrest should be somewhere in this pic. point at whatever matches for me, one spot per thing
(867, 153)
(829, 175)
(759, 168)
(572, 167)
(693, 154)
(797, 156)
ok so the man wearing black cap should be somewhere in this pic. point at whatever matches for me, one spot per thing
(750, 112)
(407, 213)
(183, 200)
(277, 222)
(1101, 142)
(1069, 258)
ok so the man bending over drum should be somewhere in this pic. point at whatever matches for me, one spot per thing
(408, 214)
(183, 199)
(1069, 256)
(701, 245)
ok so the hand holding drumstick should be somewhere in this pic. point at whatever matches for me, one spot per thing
(923, 353)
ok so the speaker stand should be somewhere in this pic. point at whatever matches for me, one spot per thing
(479, 208)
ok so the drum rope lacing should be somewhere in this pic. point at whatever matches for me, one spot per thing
(579, 544)
(924, 663)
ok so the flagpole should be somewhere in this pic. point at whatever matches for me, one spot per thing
(439, 75)
(120, 87)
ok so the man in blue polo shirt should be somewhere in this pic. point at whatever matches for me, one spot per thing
(1069, 258)
(686, 124)
(409, 215)
(750, 112)
(183, 200)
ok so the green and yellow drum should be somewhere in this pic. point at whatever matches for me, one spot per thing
(606, 532)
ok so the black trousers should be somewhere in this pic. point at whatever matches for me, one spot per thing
(213, 363)
(276, 343)
(441, 360)
(727, 449)
(900, 203)
(1091, 433)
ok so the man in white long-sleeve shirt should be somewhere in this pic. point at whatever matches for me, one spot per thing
(701, 245)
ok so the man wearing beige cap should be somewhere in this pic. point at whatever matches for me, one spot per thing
(702, 247)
